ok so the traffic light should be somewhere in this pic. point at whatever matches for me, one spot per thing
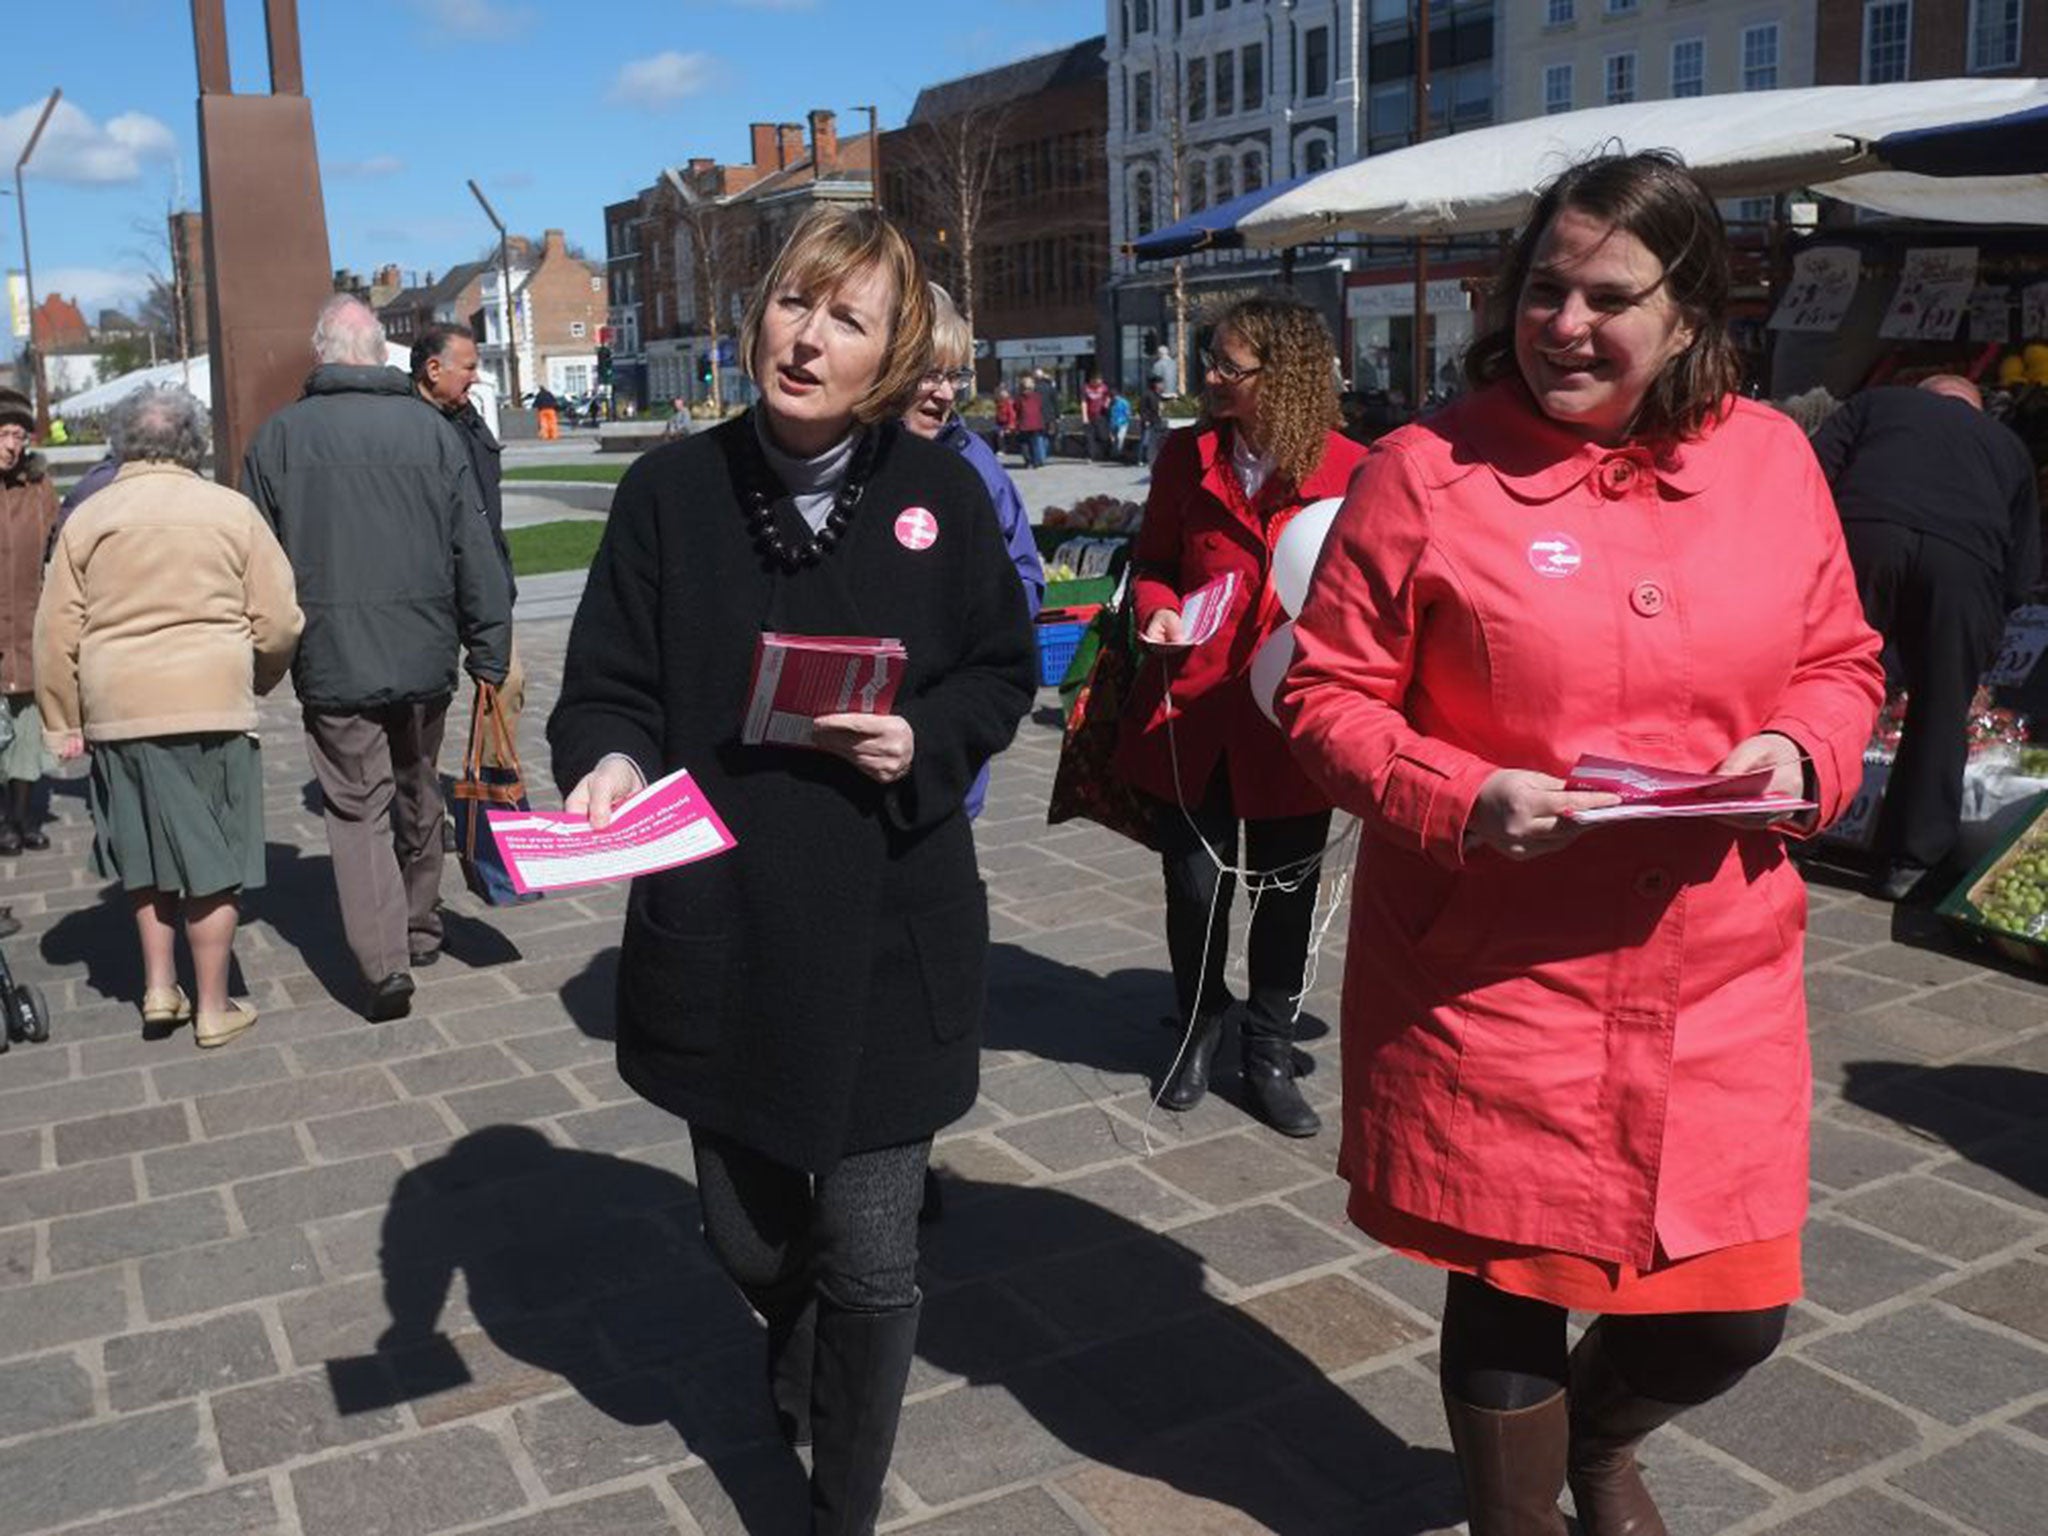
(704, 366)
(604, 365)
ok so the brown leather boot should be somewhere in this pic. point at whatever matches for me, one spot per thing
(1513, 1466)
(1608, 1422)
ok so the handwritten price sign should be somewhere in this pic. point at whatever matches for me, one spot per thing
(2026, 637)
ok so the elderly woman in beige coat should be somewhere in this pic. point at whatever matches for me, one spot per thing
(167, 609)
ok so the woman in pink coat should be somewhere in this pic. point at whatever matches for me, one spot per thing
(1575, 1061)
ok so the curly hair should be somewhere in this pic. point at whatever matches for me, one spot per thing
(1297, 407)
(1649, 194)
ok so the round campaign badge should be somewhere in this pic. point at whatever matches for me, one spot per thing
(916, 528)
(1554, 555)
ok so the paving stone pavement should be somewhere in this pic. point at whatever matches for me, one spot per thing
(443, 1275)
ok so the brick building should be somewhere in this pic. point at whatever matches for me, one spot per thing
(409, 308)
(1873, 42)
(560, 307)
(1001, 180)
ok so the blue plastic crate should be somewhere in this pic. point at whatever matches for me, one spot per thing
(1056, 646)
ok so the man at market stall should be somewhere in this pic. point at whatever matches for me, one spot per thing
(1943, 524)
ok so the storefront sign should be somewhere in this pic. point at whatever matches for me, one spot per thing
(1046, 346)
(1445, 295)
(1823, 282)
(1933, 295)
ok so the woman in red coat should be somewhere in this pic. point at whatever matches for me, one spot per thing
(1193, 739)
(1575, 1061)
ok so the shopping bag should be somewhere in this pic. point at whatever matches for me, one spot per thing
(1086, 784)
(476, 791)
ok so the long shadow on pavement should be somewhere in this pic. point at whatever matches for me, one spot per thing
(1080, 1335)
(1996, 1116)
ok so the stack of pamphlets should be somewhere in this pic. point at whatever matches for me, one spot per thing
(797, 678)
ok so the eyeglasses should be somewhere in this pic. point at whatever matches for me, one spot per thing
(962, 379)
(1226, 370)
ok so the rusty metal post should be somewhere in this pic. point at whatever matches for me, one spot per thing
(267, 266)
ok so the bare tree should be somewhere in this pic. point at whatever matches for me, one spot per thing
(717, 265)
(165, 307)
(952, 170)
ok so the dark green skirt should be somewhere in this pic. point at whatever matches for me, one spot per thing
(178, 813)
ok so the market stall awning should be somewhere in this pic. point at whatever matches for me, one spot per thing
(1741, 145)
(1212, 229)
(2013, 145)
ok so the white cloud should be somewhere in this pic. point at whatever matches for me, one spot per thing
(661, 80)
(371, 169)
(93, 289)
(476, 18)
(76, 149)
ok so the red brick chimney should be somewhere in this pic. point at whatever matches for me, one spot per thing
(824, 142)
(553, 244)
(764, 140)
(792, 147)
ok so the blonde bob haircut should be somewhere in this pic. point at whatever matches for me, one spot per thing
(829, 245)
(952, 336)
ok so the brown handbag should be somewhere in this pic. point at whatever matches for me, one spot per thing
(479, 786)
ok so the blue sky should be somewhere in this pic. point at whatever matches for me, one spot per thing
(555, 107)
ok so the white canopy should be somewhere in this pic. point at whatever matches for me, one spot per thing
(1741, 145)
(197, 376)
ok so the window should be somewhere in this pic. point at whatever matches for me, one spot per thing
(1198, 187)
(1226, 84)
(1465, 94)
(1620, 7)
(1315, 155)
(1315, 62)
(1887, 41)
(1389, 13)
(576, 329)
(1194, 9)
(1391, 111)
(1224, 179)
(1559, 14)
(1689, 67)
(1141, 204)
(1141, 102)
(1254, 168)
(1557, 88)
(1141, 15)
(1621, 78)
(1252, 64)
(1198, 90)
(1760, 57)
(1994, 34)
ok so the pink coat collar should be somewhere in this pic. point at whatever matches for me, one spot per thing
(1535, 459)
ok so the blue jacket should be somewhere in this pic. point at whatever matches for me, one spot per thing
(1017, 536)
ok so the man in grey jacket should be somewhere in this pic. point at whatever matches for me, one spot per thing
(371, 493)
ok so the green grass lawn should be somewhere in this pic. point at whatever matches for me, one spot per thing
(607, 473)
(567, 545)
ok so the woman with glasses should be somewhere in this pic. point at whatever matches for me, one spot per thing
(933, 414)
(1193, 738)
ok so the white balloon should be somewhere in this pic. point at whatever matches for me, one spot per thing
(1294, 557)
(1269, 665)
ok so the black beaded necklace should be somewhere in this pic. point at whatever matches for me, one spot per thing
(761, 489)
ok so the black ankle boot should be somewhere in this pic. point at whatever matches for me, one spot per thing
(1189, 1082)
(861, 1366)
(1269, 1088)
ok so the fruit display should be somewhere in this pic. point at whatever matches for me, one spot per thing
(1096, 514)
(2013, 898)
(1990, 726)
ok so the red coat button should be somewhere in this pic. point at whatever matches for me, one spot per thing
(1647, 599)
(1653, 883)
(1617, 475)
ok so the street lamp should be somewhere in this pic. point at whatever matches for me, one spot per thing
(874, 157)
(505, 283)
(28, 271)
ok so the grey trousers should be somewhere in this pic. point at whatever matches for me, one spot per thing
(380, 792)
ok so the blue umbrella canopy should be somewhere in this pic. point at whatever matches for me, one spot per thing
(2013, 145)
(1214, 228)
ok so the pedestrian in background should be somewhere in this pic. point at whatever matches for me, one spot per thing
(1193, 739)
(1151, 421)
(547, 414)
(1095, 397)
(371, 494)
(933, 414)
(810, 1000)
(1940, 510)
(1031, 422)
(444, 367)
(169, 610)
(1575, 1063)
(1119, 424)
(28, 518)
(1006, 419)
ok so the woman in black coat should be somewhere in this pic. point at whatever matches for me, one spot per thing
(810, 1002)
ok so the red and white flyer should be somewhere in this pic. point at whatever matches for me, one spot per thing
(1649, 793)
(666, 824)
(1202, 613)
(800, 677)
